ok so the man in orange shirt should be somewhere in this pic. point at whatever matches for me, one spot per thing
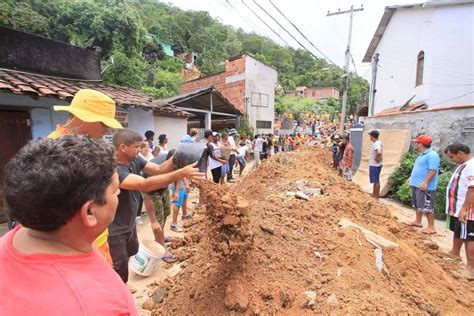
(92, 113)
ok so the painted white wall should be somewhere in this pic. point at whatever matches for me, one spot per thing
(174, 128)
(139, 120)
(445, 34)
(260, 78)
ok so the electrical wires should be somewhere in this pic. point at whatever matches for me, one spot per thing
(311, 43)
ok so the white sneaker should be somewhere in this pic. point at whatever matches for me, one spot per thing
(176, 228)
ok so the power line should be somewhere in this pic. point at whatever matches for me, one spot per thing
(311, 43)
(304, 47)
(442, 71)
(463, 95)
(249, 22)
(353, 63)
(265, 23)
(449, 85)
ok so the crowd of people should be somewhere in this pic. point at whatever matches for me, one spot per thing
(79, 201)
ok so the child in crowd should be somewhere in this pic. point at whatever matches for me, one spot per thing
(180, 191)
(240, 157)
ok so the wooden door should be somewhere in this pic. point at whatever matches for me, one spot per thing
(15, 131)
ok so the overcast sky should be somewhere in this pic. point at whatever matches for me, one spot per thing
(328, 34)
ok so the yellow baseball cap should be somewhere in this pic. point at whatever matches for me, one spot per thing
(92, 106)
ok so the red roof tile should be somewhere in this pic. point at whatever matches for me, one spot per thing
(417, 106)
(64, 89)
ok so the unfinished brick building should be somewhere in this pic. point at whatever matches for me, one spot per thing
(249, 85)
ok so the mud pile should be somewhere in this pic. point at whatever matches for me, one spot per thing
(255, 250)
(227, 219)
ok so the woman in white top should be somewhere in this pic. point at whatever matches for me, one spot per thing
(163, 145)
(145, 151)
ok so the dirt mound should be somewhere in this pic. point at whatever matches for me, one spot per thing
(256, 250)
(228, 222)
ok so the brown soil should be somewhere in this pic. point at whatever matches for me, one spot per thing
(253, 250)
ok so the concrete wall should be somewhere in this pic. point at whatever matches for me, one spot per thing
(445, 126)
(139, 120)
(43, 118)
(174, 128)
(445, 35)
(260, 80)
(51, 57)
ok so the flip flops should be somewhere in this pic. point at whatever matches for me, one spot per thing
(413, 224)
(169, 258)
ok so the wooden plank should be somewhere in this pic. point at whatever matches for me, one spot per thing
(373, 238)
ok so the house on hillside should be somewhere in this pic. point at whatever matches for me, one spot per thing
(423, 54)
(248, 84)
(318, 93)
(167, 46)
(30, 87)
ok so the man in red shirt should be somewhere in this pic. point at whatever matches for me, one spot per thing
(64, 193)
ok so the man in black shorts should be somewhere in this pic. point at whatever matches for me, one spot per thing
(460, 202)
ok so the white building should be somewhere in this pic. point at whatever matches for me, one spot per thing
(426, 56)
(260, 82)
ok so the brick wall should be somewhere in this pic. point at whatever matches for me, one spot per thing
(233, 90)
(322, 93)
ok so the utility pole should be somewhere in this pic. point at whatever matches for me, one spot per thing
(375, 65)
(346, 64)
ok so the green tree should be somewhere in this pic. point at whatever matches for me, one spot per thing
(126, 71)
(298, 105)
(119, 27)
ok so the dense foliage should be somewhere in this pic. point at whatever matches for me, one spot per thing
(119, 27)
(402, 173)
(399, 186)
(286, 104)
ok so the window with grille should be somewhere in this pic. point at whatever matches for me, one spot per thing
(264, 124)
(419, 68)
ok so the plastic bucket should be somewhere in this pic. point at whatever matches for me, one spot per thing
(187, 153)
(147, 258)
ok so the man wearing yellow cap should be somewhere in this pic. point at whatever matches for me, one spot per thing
(91, 113)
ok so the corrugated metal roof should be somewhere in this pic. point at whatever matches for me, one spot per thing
(199, 99)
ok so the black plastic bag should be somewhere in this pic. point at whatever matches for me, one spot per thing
(187, 153)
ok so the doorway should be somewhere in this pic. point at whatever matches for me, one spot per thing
(15, 132)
